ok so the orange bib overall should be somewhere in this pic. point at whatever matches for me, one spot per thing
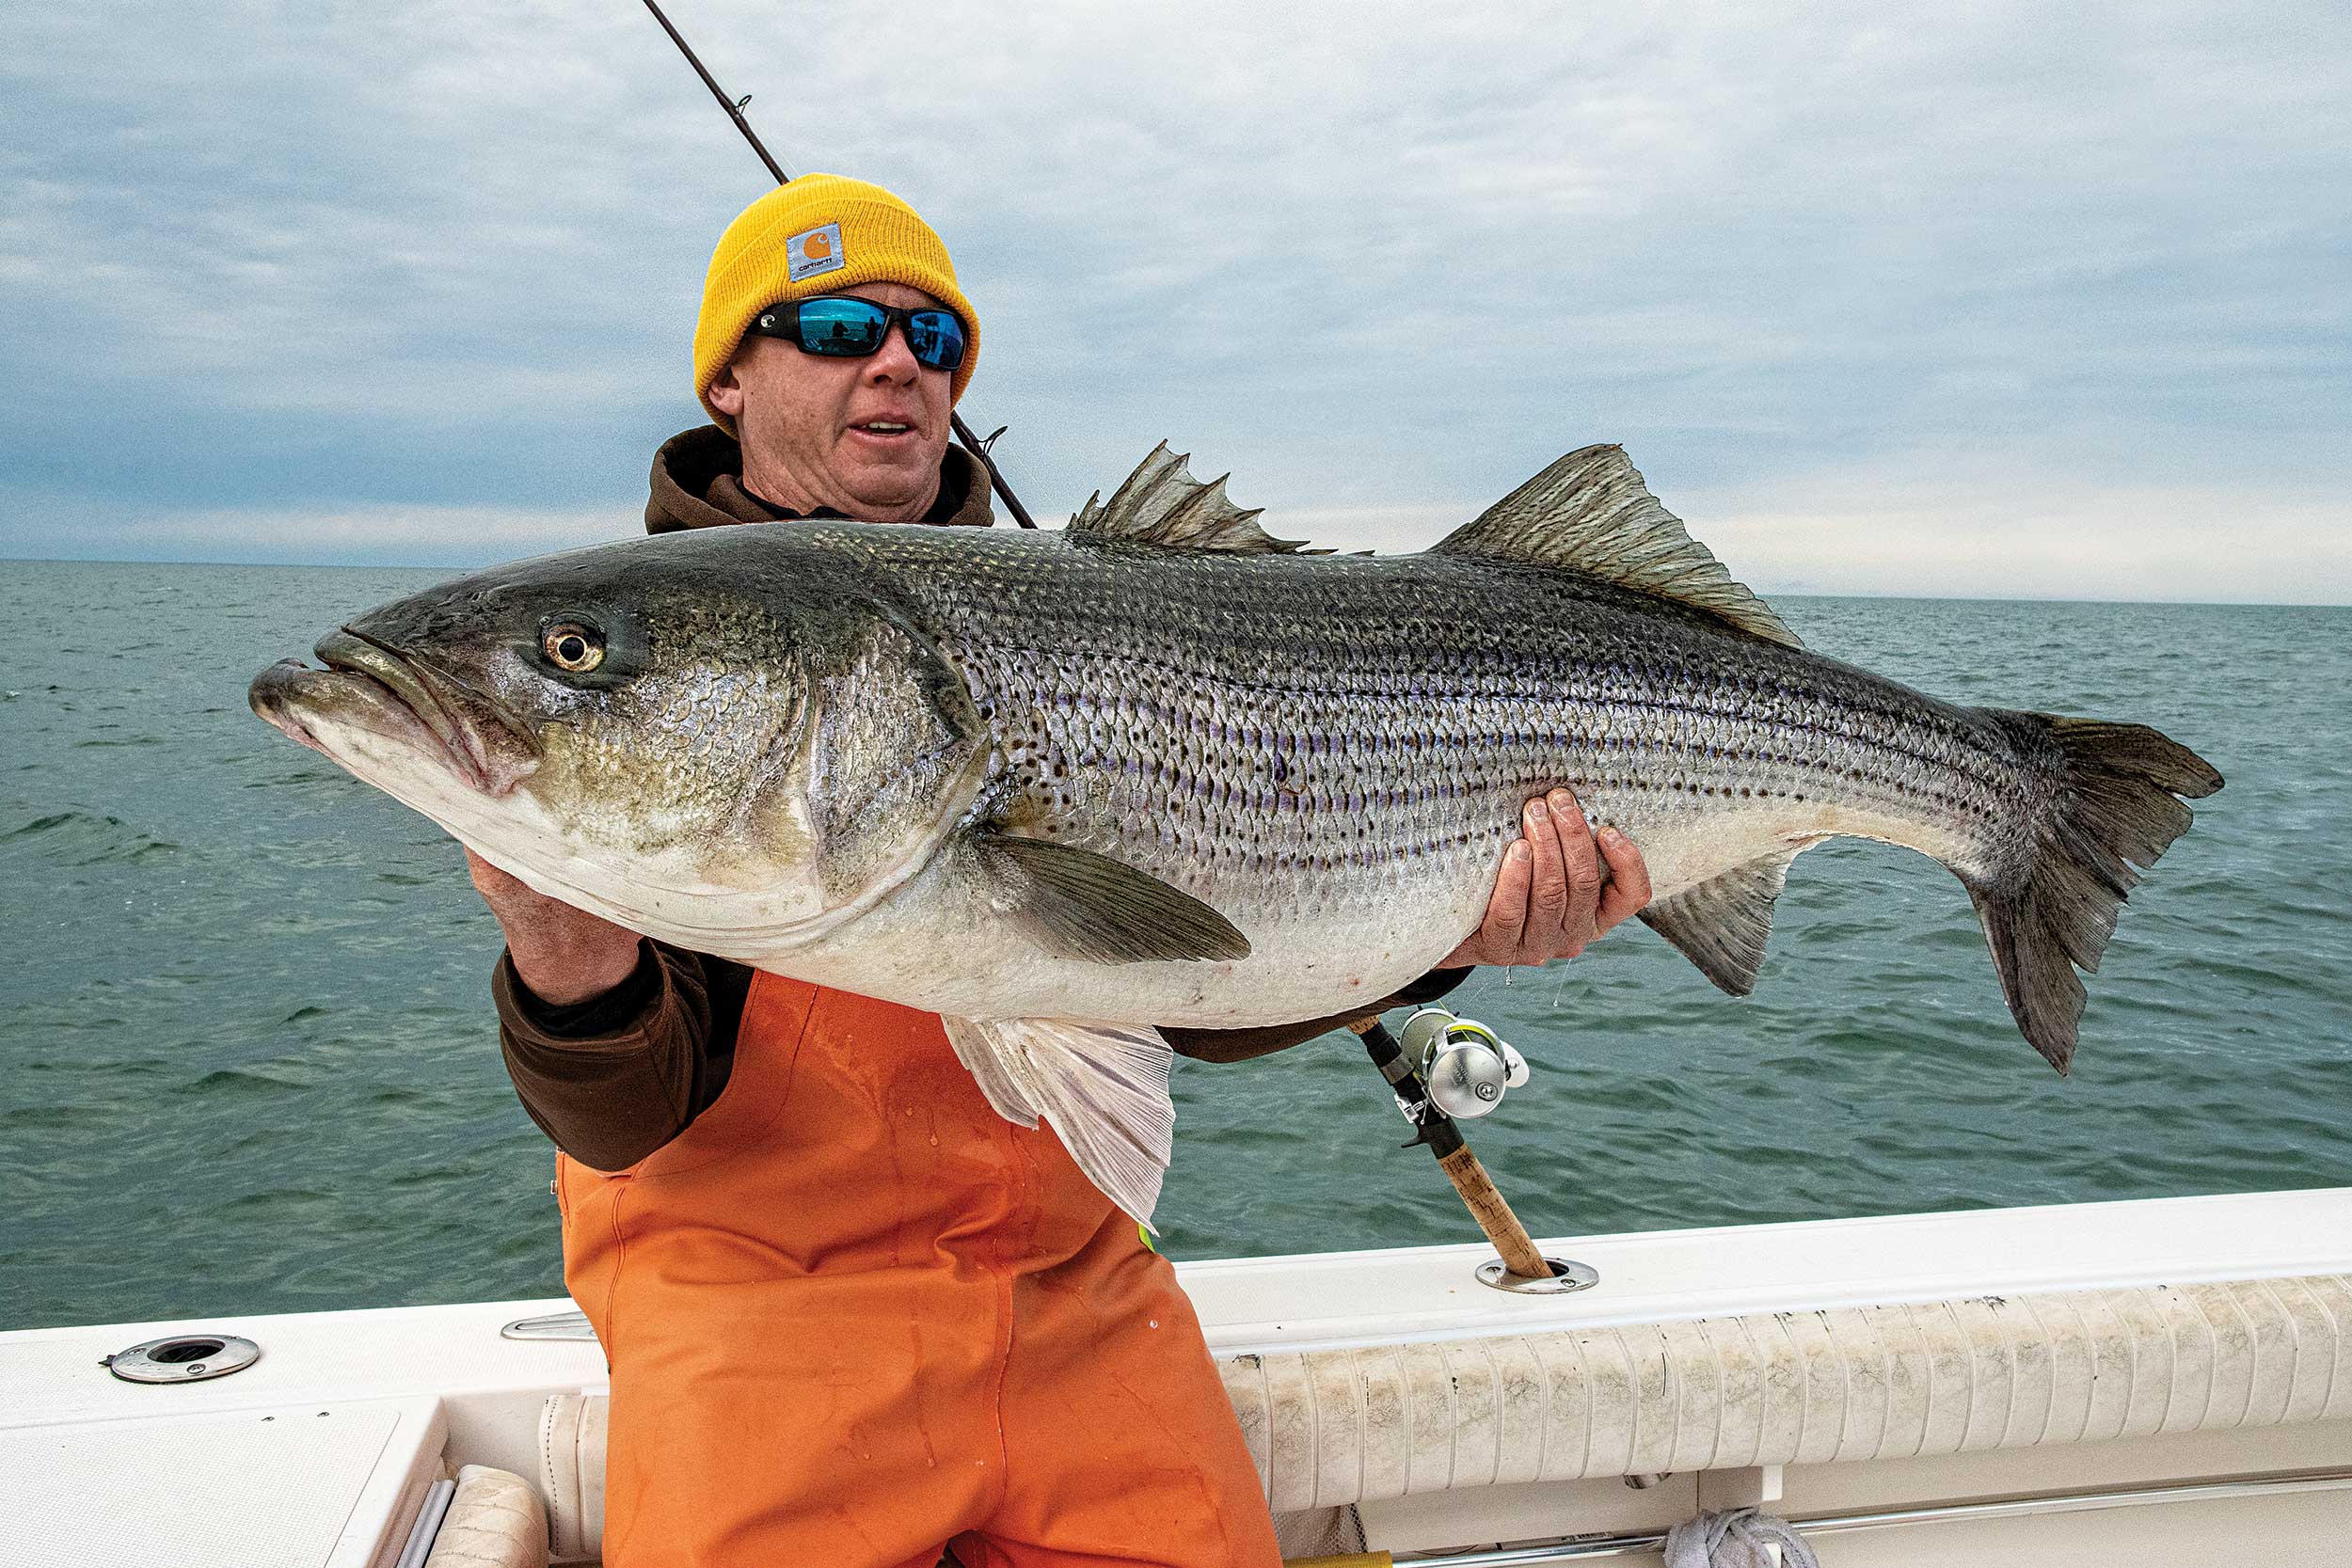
(853, 1314)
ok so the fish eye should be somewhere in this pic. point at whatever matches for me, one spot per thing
(570, 645)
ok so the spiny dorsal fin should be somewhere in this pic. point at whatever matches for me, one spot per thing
(1161, 503)
(1590, 513)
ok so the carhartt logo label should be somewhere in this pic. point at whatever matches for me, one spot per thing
(817, 250)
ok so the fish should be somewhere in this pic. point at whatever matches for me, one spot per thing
(1160, 768)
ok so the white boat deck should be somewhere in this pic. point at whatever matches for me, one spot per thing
(1314, 1300)
(393, 1396)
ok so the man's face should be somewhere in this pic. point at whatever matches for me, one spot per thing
(815, 430)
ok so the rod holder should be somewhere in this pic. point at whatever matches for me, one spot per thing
(1518, 1266)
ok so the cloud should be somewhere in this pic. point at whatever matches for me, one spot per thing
(1912, 530)
(1924, 528)
(435, 257)
(382, 533)
(1944, 535)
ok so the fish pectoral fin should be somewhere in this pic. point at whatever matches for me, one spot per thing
(1101, 1086)
(1081, 905)
(1591, 513)
(1722, 923)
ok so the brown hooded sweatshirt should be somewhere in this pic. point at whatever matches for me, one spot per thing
(616, 1077)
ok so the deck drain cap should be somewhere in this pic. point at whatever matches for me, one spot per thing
(183, 1358)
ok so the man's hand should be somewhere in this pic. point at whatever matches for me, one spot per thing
(562, 954)
(1548, 899)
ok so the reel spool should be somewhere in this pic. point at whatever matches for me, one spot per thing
(1466, 1066)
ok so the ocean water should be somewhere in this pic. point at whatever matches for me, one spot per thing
(248, 1061)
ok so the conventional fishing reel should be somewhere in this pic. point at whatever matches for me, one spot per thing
(1444, 1069)
(1464, 1066)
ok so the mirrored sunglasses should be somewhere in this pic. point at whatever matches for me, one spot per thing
(846, 328)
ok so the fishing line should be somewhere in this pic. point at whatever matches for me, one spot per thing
(733, 107)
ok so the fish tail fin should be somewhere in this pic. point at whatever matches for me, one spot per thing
(2109, 806)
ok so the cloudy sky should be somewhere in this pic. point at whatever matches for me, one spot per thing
(1976, 300)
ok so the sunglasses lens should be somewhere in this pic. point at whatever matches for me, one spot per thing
(841, 326)
(937, 339)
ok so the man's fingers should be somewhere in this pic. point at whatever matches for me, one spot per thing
(1629, 879)
(1583, 866)
(1506, 912)
(1560, 886)
(1546, 922)
(1496, 940)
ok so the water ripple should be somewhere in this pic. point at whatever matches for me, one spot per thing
(248, 1062)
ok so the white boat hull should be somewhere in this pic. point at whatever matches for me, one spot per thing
(2072, 1384)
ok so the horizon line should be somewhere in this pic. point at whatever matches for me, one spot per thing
(1791, 593)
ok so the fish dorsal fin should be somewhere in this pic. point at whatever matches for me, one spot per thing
(1722, 923)
(1590, 513)
(1162, 504)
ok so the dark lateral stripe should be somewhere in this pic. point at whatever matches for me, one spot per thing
(1807, 747)
(1969, 756)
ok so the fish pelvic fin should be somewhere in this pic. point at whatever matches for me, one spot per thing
(1103, 1087)
(1081, 905)
(1592, 513)
(1722, 923)
(2111, 807)
(1161, 503)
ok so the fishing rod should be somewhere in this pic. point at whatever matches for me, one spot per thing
(1520, 1266)
(734, 106)
(1446, 1065)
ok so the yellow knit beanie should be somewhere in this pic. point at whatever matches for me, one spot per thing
(820, 234)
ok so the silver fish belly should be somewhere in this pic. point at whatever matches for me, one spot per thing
(1330, 754)
(1161, 769)
(1339, 764)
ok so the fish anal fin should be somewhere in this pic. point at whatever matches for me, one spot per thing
(1161, 503)
(1081, 905)
(1592, 513)
(1722, 923)
(1103, 1087)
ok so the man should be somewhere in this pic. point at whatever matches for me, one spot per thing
(854, 1315)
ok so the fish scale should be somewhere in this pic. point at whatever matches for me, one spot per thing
(1161, 769)
(1423, 703)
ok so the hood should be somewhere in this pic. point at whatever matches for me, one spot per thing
(698, 483)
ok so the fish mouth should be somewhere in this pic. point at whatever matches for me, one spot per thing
(370, 685)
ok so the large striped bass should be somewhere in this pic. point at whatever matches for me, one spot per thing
(1161, 769)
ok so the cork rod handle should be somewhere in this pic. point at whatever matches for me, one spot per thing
(1444, 1137)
